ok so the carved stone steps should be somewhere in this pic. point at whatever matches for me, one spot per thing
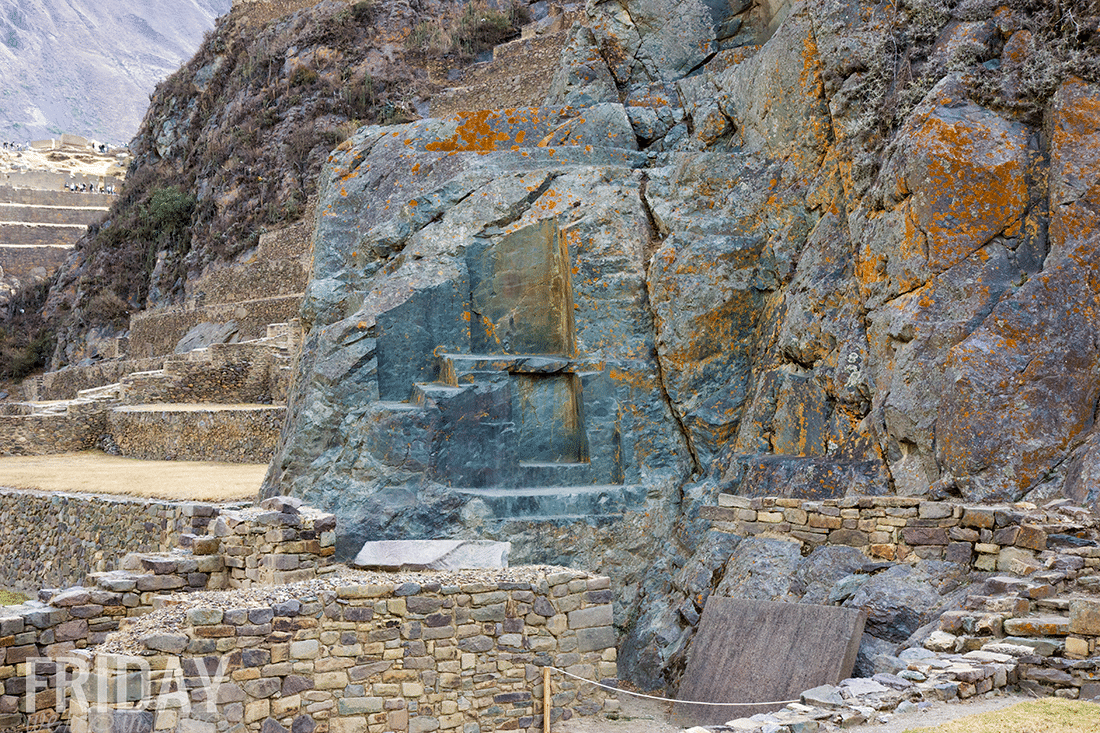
(542, 503)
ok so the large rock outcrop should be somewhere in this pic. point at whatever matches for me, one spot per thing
(805, 249)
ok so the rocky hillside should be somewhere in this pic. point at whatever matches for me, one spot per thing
(88, 68)
(231, 145)
(806, 249)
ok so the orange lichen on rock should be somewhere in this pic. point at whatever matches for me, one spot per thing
(968, 182)
(1075, 154)
(484, 131)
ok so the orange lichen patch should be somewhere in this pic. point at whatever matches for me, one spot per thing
(1075, 155)
(485, 131)
(1018, 47)
(969, 184)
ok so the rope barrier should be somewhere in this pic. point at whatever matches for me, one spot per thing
(665, 699)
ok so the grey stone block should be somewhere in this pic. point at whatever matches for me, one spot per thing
(594, 639)
(823, 696)
(767, 651)
(593, 616)
(415, 555)
(171, 643)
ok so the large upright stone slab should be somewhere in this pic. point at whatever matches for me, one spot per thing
(416, 555)
(759, 651)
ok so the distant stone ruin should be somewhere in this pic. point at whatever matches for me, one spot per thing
(44, 212)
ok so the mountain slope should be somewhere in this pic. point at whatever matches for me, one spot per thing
(88, 68)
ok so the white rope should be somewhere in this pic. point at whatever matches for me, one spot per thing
(665, 699)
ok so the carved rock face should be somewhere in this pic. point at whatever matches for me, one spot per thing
(569, 327)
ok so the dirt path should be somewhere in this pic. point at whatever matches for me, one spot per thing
(98, 473)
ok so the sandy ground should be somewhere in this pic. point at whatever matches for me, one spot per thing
(99, 473)
(648, 716)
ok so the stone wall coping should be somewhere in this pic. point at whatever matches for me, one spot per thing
(119, 498)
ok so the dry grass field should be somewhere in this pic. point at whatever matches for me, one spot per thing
(98, 473)
(1048, 715)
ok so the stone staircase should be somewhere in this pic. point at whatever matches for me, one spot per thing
(549, 462)
(206, 380)
(1047, 620)
(504, 409)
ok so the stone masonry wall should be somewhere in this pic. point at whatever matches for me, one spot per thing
(20, 262)
(32, 435)
(59, 197)
(157, 332)
(65, 383)
(52, 539)
(54, 181)
(332, 651)
(243, 434)
(1001, 538)
(388, 654)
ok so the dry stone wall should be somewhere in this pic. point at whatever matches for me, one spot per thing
(74, 429)
(418, 655)
(244, 434)
(51, 197)
(988, 537)
(64, 384)
(158, 331)
(21, 262)
(52, 539)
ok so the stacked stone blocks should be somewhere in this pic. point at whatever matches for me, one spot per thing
(893, 527)
(74, 534)
(405, 656)
(413, 652)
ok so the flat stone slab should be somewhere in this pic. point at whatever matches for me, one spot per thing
(766, 651)
(416, 555)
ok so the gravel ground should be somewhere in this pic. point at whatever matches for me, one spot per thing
(649, 716)
(173, 617)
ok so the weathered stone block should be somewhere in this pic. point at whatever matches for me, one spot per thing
(419, 555)
(737, 635)
(1084, 617)
(360, 705)
(1032, 537)
(959, 552)
(925, 535)
(1037, 626)
(595, 639)
(592, 616)
(978, 518)
(849, 537)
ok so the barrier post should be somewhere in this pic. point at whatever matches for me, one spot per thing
(546, 700)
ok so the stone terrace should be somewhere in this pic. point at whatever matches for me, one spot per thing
(38, 228)
(206, 380)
